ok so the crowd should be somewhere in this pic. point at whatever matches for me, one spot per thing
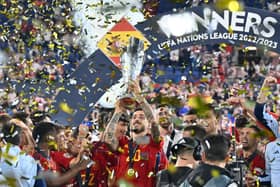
(176, 136)
(39, 43)
(39, 40)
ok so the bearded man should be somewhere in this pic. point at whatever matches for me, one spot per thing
(140, 155)
(167, 130)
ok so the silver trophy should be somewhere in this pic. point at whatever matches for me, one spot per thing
(132, 60)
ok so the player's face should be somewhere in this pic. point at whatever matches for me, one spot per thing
(139, 122)
(74, 146)
(51, 139)
(121, 128)
(164, 117)
(187, 133)
(248, 138)
(209, 121)
(61, 140)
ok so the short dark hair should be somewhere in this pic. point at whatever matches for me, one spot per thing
(137, 109)
(41, 131)
(38, 116)
(192, 111)
(216, 147)
(11, 133)
(4, 118)
(258, 132)
(21, 116)
(241, 121)
(198, 131)
(254, 127)
(185, 145)
(162, 105)
(124, 118)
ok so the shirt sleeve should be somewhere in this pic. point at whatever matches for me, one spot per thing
(267, 176)
(29, 170)
(158, 144)
(163, 161)
(103, 154)
(266, 119)
(122, 141)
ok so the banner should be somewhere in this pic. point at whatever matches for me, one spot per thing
(83, 89)
(205, 25)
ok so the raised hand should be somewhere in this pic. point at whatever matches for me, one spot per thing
(135, 89)
(270, 80)
(234, 100)
(119, 107)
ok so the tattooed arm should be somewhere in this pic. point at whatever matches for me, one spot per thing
(109, 136)
(148, 110)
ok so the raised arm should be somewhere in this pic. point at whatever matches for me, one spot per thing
(109, 136)
(265, 90)
(264, 117)
(53, 180)
(27, 143)
(147, 108)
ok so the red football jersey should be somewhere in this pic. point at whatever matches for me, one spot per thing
(144, 162)
(62, 160)
(45, 163)
(255, 163)
(104, 160)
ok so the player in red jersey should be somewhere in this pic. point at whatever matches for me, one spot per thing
(141, 155)
(44, 133)
(65, 159)
(104, 160)
(249, 138)
(60, 155)
(79, 147)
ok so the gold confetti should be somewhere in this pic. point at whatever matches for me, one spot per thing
(232, 5)
(215, 173)
(134, 9)
(230, 30)
(53, 144)
(66, 108)
(171, 168)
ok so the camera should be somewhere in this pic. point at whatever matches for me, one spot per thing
(238, 170)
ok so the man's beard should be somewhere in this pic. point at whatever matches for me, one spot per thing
(138, 130)
(165, 123)
(165, 126)
(246, 148)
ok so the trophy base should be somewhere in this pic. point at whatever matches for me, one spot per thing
(128, 102)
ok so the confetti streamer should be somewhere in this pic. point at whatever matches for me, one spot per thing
(66, 108)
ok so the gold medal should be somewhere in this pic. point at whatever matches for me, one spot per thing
(130, 172)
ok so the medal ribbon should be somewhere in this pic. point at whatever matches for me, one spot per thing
(131, 151)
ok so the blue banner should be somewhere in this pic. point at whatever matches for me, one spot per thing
(83, 89)
(206, 25)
